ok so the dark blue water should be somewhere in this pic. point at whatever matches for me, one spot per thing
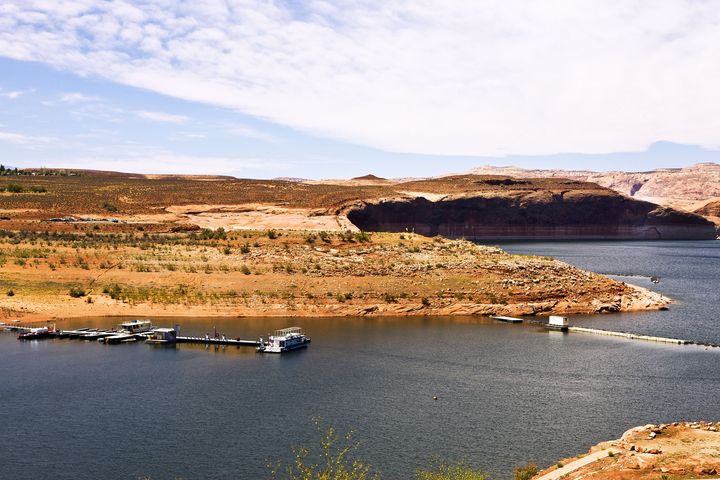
(689, 274)
(508, 394)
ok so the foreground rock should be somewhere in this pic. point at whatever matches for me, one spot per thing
(680, 450)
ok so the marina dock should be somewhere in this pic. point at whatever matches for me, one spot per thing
(219, 341)
(631, 336)
(507, 319)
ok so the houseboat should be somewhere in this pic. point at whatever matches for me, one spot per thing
(35, 334)
(136, 326)
(557, 323)
(284, 340)
(163, 336)
(129, 332)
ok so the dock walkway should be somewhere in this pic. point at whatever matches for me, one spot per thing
(218, 341)
(579, 463)
(630, 336)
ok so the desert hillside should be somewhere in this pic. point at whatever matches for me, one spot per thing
(469, 206)
(687, 188)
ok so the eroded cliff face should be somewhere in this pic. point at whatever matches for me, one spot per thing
(686, 188)
(520, 211)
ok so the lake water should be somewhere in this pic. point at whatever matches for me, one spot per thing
(507, 394)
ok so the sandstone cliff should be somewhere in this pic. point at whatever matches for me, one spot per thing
(686, 188)
(483, 207)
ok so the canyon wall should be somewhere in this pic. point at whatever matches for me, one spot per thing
(536, 215)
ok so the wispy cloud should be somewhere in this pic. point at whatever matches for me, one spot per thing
(77, 97)
(13, 94)
(162, 117)
(492, 77)
(172, 163)
(22, 139)
(249, 132)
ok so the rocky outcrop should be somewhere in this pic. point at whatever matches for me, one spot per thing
(506, 208)
(676, 187)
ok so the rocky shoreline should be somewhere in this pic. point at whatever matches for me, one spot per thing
(678, 450)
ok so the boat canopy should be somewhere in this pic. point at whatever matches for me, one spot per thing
(287, 331)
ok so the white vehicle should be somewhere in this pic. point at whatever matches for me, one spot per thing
(284, 340)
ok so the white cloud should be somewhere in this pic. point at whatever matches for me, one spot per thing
(249, 132)
(12, 95)
(76, 97)
(162, 117)
(169, 163)
(493, 77)
(22, 139)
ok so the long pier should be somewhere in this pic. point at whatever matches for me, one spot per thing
(612, 333)
(632, 336)
(219, 341)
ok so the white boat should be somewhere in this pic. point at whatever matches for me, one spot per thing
(128, 331)
(163, 336)
(284, 340)
(136, 326)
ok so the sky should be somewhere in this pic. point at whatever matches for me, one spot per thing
(320, 89)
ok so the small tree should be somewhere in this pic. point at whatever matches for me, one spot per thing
(334, 461)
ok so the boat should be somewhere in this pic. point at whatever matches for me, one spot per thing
(136, 326)
(556, 322)
(163, 336)
(284, 340)
(98, 334)
(129, 332)
(35, 334)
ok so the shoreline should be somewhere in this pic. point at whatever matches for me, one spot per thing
(640, 299)
(677, 450)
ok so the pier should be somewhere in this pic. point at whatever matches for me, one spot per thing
(219, 341)
(633, 336)
(507, 319)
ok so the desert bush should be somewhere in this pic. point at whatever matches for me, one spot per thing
(525, 472)
(335, 460)
(451, 472)
(76, 292)
(245, 270)
(272, 234)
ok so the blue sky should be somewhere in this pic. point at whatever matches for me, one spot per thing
(311, 90)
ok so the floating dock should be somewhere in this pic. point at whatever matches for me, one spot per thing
(507, 319)
(219, 341)
(631, 336)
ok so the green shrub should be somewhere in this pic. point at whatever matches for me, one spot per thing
(245, 248)
(10, 293)
(76, 292)
(425, 302)
(451, 472)
(272, 234)
(245, 270)
(13, 188)
(525, 472)
(389, 297)
(335, 460)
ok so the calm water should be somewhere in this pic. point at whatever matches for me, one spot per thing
(508, 394)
